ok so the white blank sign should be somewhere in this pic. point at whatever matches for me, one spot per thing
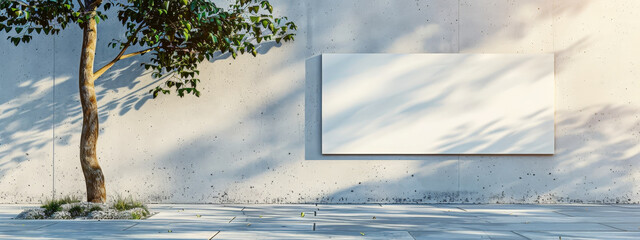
(437, 104)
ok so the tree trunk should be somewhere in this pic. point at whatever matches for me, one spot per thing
(93, 176)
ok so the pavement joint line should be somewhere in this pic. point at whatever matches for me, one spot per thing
(41, 227)
(523, 236)
(613, 227)
(234, 217)
(414, 238)
(563, 214)
(214, 235)
(129, 227)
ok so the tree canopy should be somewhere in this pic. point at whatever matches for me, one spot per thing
(179, 34)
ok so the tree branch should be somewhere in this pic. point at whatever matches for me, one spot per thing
(120, 54)
(138, 53)
(81, 5)
(102, 70)
(94, 4)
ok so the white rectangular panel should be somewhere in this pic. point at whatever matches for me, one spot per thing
(437, 104)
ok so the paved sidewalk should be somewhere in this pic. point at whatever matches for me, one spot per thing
(372, 221)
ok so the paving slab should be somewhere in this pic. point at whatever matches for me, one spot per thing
(463, 235)
(87, 225)
(581, 235)
(555, 219)
(601, 212)
(400, 235)
(22, 226)
(40, 234)
(629, 226)
(468, 227)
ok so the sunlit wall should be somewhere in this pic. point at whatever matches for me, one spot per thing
(252, 137)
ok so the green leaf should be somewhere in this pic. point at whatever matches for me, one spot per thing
(186, 34)
(213, 38)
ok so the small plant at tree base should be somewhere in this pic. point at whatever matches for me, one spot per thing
(95, 208)
(52, 207)
(76, 211)
(55, 205)
(178, 35)
(69, 199)
(135, 216)
(123, 204)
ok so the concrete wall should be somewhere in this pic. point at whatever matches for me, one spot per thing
(252, 137)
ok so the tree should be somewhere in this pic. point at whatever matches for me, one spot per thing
(179, 34)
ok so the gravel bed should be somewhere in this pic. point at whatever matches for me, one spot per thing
(85, 210)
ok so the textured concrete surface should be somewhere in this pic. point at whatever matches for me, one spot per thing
(253, 135)
(373, 221)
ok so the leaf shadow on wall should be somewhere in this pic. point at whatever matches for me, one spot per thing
(505, 175)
